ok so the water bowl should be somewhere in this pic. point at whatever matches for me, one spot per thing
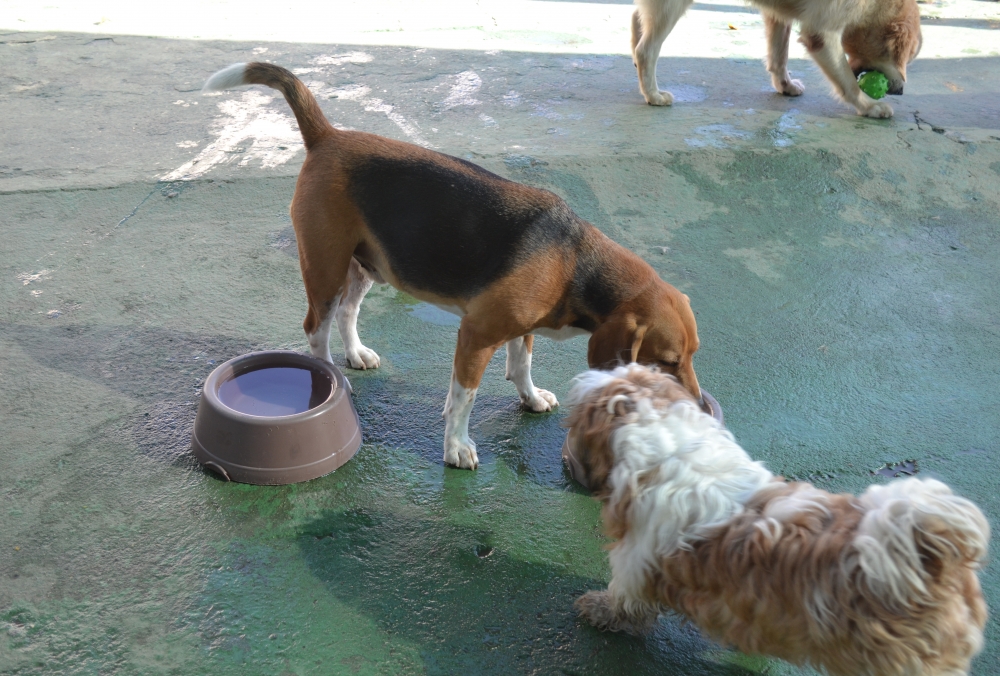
(275, 417)
(576, 470)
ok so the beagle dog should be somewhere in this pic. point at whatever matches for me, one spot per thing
(512, 261)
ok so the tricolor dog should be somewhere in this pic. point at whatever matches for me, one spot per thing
(512, 261)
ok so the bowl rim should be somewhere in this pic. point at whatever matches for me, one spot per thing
(253, 361)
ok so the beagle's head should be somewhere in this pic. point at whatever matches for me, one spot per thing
(656, 328)
(887, 46)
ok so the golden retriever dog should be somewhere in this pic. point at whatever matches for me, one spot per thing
(845, 37)
(880, 584)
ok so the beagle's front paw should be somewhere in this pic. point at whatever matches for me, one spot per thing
(362, 358)
(460, 453)
(540, 402)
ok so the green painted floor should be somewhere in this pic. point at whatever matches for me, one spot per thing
(843, 271)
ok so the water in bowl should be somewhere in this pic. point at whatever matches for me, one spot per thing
(276, 391)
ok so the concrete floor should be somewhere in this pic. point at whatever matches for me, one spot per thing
(844, 273)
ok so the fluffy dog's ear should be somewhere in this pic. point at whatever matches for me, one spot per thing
(615, 342)
(600, 402)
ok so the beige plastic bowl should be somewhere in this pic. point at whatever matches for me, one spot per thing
(275, 417)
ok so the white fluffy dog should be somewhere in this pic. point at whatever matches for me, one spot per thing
(880, 584)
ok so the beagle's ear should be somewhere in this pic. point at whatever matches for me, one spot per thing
(616, 341)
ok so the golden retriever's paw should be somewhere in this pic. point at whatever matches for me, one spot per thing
(363, 358)
(460, 453)
(877, 110)
(788, 86)
(542, 401)
(659, 98)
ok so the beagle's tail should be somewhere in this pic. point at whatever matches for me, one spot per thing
(312, 123)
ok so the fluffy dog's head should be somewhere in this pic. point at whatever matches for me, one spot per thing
(634, 430)
(888, 45)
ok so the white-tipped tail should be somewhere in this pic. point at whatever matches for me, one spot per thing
(227, 78)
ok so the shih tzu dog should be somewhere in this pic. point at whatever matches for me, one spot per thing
(880, 584)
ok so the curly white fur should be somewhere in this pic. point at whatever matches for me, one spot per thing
(775, 568)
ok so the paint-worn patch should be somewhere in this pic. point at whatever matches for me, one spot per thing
(764, 261)
(463, 92)
(341, 59)
(249, 131)
(784, 128)
(892, 470)
(360, 93)
(717, 136)
(687, 93)
(28, 277)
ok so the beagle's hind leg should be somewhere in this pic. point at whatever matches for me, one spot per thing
(325, 275)
(519, 373)
(358, 284)
(317, 327)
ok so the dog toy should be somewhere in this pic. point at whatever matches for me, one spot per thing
(874, 84)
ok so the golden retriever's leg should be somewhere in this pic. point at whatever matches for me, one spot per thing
(778, 32)
(651, 23)
(606, 612)
(826, 48)
(358, 283)
(472, 353)
(519, 373)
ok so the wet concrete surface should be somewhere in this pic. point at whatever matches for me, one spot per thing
(843, 272)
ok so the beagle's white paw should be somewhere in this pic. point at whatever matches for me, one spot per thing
(460, 453)
(542, 401)
(363, 358)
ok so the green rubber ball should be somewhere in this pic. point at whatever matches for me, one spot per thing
(874, 84)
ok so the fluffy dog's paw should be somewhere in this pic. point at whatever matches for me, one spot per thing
(788, 86)
(542, 401)
(877, 110)
(363, 359)
(659, 98)
(460, 453)
(597, 607)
